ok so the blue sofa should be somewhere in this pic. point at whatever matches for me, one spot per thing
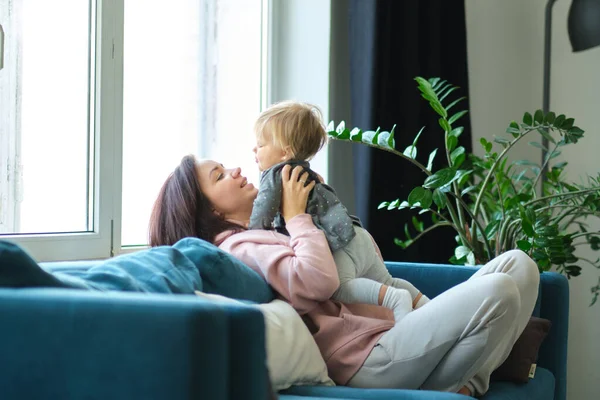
(76, 344)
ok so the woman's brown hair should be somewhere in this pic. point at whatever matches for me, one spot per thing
(181, 209)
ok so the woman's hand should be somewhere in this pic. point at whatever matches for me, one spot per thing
(295, 191)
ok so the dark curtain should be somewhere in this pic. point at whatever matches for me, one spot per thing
(391, 42)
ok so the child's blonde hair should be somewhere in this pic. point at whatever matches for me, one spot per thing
(294, 124)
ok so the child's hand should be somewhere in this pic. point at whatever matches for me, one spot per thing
(295, 191)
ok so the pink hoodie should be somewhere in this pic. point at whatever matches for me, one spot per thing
(302, 270)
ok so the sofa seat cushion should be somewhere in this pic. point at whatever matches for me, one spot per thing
(344, 392)
(541, 387)
(293, 397)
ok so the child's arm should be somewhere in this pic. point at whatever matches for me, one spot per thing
(268, 200)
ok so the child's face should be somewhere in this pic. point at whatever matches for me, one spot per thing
(267, 153)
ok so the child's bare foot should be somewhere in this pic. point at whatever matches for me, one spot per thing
(464, 390)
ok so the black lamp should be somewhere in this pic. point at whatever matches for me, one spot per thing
(584, 33)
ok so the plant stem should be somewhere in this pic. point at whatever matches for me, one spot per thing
(440, 215)
(478, 224)
(546, 161)
(459, 228)
(570, 209)
(393, 151)
(491, 172)
(585, 234)
(569, 212)
(510, 233)
(501, 199)
(502, 232)
(432, 227)
(589, 261)
(461, 217)
(578, 192)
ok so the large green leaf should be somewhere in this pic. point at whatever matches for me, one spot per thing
(457, 152)
(527, 228)
(330, 126)
(492, 228)
(457, 131)
(446, 92)
(527, 119)
(391, 141)
(385, 138)
(440, 178)
(573, 135)
(394, 204)
(439, 198)
(514, 129)
(538, 145)
(544, 132)
(444, 124)
(455, 102)
(559, 120)
(375, 139)
(461, 251)
(410, 152)
(431, 158)
(456, 116)
(451, 142)
(567, 124)
(438, 108)
(418, 225)
(487, 146)
(420, 195)
(538, 117)
(383, 204)
(524, 245)
(367, 136)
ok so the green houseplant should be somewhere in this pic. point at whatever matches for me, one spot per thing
(494, 205)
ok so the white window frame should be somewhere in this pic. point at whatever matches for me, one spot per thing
(295, 65)
(107, 123)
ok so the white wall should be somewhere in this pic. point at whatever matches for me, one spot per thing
(300, 58)
(505, 50)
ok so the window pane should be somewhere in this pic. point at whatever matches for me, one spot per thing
(44, 116)
(191, 86)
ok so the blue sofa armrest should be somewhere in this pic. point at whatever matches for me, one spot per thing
(555, 307)
(553, 304)
(59, 343)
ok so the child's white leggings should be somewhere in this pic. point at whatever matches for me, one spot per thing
(459, 337)
(362, 272)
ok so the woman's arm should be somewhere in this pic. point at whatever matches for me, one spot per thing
(300, 268)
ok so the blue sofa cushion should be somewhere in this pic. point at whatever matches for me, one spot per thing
(224, 274)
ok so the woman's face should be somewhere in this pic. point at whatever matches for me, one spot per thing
(229, 192)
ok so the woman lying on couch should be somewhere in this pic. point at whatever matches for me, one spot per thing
(453, 343)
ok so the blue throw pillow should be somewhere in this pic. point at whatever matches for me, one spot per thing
(157, 270)
(161, 269)
(18, 269)
(224, 274)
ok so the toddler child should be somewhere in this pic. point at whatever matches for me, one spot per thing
(292, 133)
